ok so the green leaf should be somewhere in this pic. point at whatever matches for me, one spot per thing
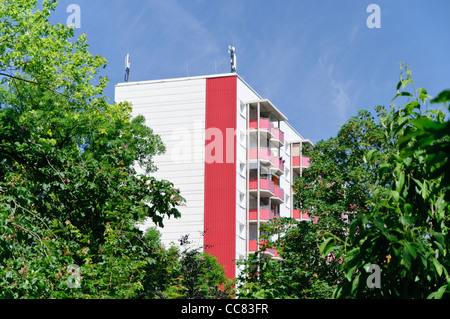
(402, 94)
(408, 220)
(411, 250)
(442, 97)
(406, 82)
(438, 266)
(327, 247)
(406, 258)
(355, 283)
(438, 294)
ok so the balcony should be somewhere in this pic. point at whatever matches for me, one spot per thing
(253, 246)
(296, 161)
(278, 195)
(266, 187)
(277, 137)
(264, 214)
(264, 125)
(265, 155)
(297, 214)
(303, 215)
(278, 166)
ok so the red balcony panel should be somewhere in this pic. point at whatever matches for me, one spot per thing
(264, 154)
(264, 184)
(264, 124)
(297, 214)
(296, 161)
(273, 252)
(278, 192)
(265, 214)
(278, 164)
(278, 135)
(305, 161)
(252, 245)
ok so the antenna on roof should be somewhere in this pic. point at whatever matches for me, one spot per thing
(231, 51)
(127, 68)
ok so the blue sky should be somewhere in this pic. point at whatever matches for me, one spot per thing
(317, 61)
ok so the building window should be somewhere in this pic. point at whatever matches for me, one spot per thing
(242, 138)
(241, 199)
(242, 109)
(242, 233)
(242, 169)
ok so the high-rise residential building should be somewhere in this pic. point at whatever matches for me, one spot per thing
(232, 154)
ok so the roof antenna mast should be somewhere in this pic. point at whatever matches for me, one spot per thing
(127, 68)
(231, 50)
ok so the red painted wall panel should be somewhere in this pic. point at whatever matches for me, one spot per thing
(220, 174)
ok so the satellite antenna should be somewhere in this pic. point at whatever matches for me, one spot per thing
(231, 51)
(127, 68)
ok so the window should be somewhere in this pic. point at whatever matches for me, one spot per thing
(242, 169)
(241, 230)
(242, 109)
(242, 138)
(241, 199)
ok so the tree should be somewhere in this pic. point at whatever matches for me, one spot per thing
(405, 233)
(378, 193)
(198, 275)
(70, 197)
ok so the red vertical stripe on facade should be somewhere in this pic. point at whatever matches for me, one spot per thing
(220, 175)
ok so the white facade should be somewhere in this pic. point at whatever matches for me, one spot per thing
(175, 110)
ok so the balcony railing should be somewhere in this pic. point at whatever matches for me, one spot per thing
(277, 136)
(265, 154)
(264, 214)
(278, 194)
(278, 165)
(253, 246)
(264, 185)
(264, 124)
(296, 161)
(298, 214)
(303, 215)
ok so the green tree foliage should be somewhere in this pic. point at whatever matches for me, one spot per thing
(197, 275)
(378, 195)
(405, 232)
(69, 190)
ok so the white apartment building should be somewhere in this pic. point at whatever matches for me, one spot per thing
(232, 154)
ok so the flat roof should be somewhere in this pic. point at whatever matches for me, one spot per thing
(266, 105)
(266, 102)
(178, 79)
